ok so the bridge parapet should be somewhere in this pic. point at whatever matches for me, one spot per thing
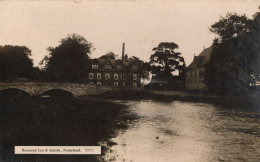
(37, 88)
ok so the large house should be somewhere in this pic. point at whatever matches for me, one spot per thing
(195, 72)
(116, 73)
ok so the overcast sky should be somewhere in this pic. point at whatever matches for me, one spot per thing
(142, 25)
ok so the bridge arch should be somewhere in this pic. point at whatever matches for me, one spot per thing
(57, 92)
(14, 91)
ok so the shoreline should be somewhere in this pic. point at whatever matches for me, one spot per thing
(232, 102)
(58, 122)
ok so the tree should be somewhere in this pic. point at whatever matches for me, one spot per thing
(109, 55)
(231, 69)
(254, 42)
(15, 62)
(231, 26)
(165, 60)
(67, 61)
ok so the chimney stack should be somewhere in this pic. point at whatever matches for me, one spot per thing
(123, 51)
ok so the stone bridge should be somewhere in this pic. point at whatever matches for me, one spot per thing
(38, 88)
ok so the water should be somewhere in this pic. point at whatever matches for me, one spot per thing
(55, 121)
(186, 131)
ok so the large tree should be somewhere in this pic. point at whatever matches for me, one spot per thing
(165, 60)
(67, 61)
(231, 26)
(109, 55)
(15, 62)
(232, 66)
(254, 43)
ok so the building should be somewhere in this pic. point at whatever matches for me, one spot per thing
(158, 84)
(172, 83)
(116, 73)
(195, 72)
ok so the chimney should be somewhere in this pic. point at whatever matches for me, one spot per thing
(123, 51)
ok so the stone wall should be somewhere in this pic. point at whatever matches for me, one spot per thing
(35, 89)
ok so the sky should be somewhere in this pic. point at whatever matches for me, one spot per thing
(142, 25)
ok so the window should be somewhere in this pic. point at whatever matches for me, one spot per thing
(91, 76)
(134, 77)
(107, 66)
(115, 76)
(95, 66)
(107, 76)
(91, 83)
(98, 75)
(116, 84)
(118, 67)
(134, 68)
(98, 83)
(134, 85)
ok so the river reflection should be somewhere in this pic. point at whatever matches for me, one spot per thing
(186, 131)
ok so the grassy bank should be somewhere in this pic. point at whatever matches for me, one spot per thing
(234, 102)
(28, 121)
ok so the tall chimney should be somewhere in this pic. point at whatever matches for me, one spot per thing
(123, 51)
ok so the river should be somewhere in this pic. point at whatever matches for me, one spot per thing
(187, 131)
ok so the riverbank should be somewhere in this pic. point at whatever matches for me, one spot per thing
(35, 121)
(234, 102)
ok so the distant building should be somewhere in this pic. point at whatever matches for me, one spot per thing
(172, 83)
(195, 72)
(158, 84)
(115, 73)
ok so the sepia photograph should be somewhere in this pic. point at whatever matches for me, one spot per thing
(129, 80)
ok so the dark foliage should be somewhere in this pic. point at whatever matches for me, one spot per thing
(109, 55)
(67, 61)
(165, 60)
(234, 65)
(49, 122)
(231, 26)
(15, 63)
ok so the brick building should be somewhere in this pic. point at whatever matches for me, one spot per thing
(117, 73)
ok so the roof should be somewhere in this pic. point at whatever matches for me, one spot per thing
(114, 62)
(202, 58)
(159, 80)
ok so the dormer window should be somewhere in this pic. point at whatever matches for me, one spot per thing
(94, 66)
(107, 66)
(118, 67)
(134, 68)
